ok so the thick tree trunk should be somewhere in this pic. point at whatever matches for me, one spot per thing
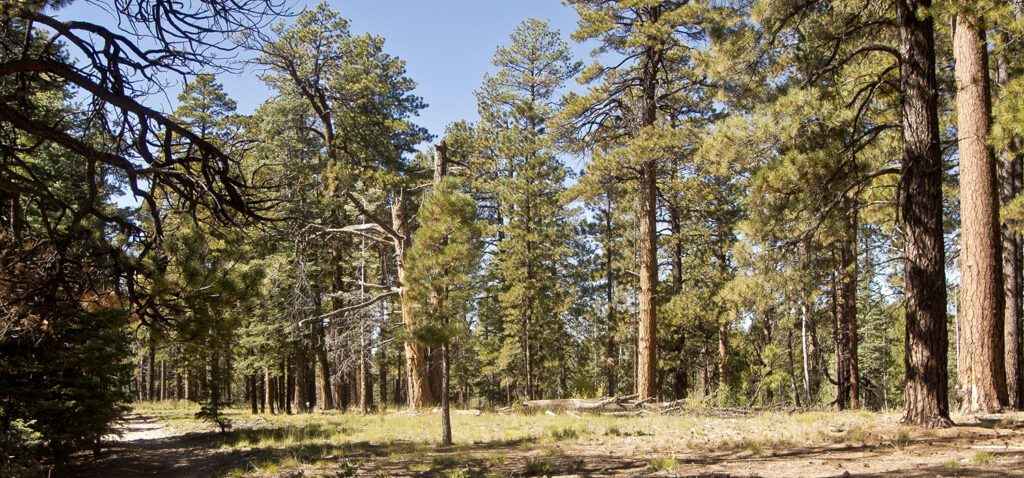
(926, 400)
(981, 377)
(647, 355)
(417, 364)
(647, 325)
(1011, 183)
(301, 399)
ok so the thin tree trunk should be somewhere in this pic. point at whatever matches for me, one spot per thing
(804, 353)
(792, 367)
(849, 306)
(723, 356)
(253, 386)
(446, 420)
(151, 395)
(926, 400)
(325, 367)
(611, 349)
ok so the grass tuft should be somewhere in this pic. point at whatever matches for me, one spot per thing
(983, 458)
(662, 463)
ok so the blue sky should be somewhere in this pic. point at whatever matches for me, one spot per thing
(447, 44)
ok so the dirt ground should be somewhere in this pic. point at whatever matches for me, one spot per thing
(705, 444)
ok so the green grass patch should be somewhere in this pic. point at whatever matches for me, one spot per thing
(983, 458)
(662, 463)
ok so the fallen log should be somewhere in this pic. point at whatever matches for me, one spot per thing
(584, 404)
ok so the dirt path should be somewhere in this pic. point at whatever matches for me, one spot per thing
(148, 448)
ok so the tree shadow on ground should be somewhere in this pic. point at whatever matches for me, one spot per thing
(318, 450)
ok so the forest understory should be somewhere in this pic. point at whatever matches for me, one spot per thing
(165, 440)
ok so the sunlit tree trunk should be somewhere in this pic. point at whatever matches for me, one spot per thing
(981, 377)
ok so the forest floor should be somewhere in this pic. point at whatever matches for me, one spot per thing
(165, 440)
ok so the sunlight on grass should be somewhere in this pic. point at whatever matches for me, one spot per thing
(301, 443)
(663, 463)
(983, 458)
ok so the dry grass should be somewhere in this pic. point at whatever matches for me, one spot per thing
(400, 443)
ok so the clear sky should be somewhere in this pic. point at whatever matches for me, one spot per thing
(447, 44)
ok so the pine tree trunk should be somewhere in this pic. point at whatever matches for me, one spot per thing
(647, 356)
(792, 367)
(981, 377)
(446, 419)
(417, 365)
(267, 388)
(723, 357)
(228, 370)
(382, 376)
(252, 384)
(1011, 183)
(527, 356)
(325, 367)
(163, 380)
(611, 349)
(151, 395)
(926, 401)
(848, 308)
(365, 382)
(647, 325)
(300, 398)
(804, 353)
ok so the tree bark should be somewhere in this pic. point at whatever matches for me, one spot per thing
(647, 355)
(325, 366)
(446, 419)
(723, 356)
(981, 377)
(301, 399)
(1011, 183)
(611, 348)
(848, 308)
(926, 401)
(417, 365)
(253, 394)
(804, 353)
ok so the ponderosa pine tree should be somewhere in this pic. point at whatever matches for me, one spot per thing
(1006, 136)
(981, 377)
(926, 397)
(531, 239)
(620, 116)
(361, 100)
(443, 261)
